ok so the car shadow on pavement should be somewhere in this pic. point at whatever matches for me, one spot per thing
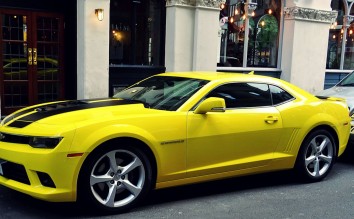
(231, 185)
(14, 204)
(33, 208)
(348, 155)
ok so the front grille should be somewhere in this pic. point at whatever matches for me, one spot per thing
(17, 139)
(14, 171)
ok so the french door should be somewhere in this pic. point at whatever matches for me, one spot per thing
(31, 62)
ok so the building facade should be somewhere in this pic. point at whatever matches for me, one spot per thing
(84, 49)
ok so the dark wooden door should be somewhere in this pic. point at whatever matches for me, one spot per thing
(31, 69)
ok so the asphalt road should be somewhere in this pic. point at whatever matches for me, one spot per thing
(272, 195)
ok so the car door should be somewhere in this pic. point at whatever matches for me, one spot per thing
(244, 136)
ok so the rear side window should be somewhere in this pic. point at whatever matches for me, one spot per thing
(243, 94)
(279, 95)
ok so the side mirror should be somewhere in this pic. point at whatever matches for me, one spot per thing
(211, 104)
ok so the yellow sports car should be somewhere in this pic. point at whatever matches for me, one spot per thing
(170, 129)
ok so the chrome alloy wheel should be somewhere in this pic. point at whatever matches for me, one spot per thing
(319, 155)
(117, 178)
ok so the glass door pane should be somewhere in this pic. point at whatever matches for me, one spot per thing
(14, 59)
(48, 47)
(31, 60)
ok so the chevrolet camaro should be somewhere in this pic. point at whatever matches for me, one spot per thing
(168, 130)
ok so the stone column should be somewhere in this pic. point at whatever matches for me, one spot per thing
(192, 35)
(305, 42)
(92, 49)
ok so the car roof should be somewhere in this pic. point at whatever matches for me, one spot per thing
(223, 76)
(204, 75)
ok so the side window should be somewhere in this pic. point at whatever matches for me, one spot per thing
(279, 95)
(243, 94)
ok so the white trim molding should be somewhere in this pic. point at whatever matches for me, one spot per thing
(309, 14)
(198, 3)
(180, 2)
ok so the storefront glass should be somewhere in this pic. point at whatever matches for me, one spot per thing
(262, 26)
(340, 54)
(349, 46)
(135, 37)
(335, 37)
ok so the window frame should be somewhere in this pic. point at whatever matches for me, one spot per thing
(251, 82)
(279, 40)
(348, 11)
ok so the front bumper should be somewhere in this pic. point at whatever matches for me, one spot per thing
(46, 174)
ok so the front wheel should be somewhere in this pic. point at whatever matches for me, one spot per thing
(316, 156)
(115, 179)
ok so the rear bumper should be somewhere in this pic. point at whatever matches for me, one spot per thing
(349, 150)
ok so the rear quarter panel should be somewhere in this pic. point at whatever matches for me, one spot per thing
(300, 117)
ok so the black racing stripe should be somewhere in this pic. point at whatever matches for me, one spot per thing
(45, 112)
(30, 109)
(19, 124)
(16, 115)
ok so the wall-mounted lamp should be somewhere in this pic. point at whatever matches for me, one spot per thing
(99, 13)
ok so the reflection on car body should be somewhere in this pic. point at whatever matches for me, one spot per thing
(168, 130)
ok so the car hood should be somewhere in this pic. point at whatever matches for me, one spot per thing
(74, 112)
(346, 93)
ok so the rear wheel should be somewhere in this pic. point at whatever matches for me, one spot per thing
(316, 156)
(115, 179)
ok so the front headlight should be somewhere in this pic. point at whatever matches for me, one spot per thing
(44, 142)
(33, 141)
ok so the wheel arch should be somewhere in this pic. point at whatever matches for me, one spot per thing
(142, 146)
(328, 128)
(305, 167)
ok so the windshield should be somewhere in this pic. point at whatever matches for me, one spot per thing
(162, 92)
(347, 81)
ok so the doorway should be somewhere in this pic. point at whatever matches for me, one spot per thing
(31, 62)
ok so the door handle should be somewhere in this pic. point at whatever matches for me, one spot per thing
(30, 56)
(271, 119)
(34, 56)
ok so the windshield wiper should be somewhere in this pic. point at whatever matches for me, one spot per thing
(146, 105)
(347, 85)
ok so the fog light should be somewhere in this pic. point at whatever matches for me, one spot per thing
(45, 180)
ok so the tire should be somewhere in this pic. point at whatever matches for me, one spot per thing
(317, 156)
(115, 179)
